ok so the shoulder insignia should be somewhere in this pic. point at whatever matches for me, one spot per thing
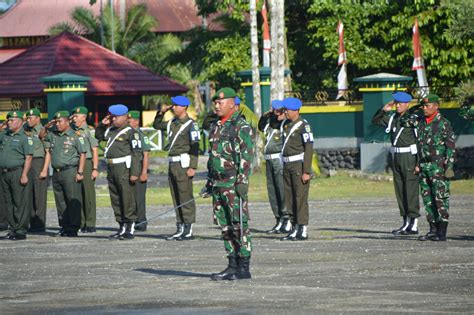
(81, 140)
(146, 140)
(137, 136)
(307, 128)
(30, 141)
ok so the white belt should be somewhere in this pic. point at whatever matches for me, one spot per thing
(293, 158)
(400, 150)
(124, 159)
(174, 158)
(271, 156)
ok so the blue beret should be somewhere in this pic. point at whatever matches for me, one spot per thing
(292, 103)
(237, 100)
(401, 97)
(118, 110)
(180, 100)
(277, 104)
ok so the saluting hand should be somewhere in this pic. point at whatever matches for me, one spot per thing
(106, 120)
(388, 107)
(165, 108)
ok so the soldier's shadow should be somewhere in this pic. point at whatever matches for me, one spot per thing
(169, 272)
(355, 230)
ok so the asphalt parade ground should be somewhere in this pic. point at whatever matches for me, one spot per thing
(351, 264)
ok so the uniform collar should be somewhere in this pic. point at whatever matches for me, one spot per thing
(430, 119)
(231, 117)
(184, 119)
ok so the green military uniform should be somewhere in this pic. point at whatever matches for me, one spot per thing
(88, 213)
(270, 126)
(14, 148)
(3, 209)
(40, 186)
(122, 153)
(404, 156)
(140, 189)
(66, 149)
(297, 153)
(183, 148)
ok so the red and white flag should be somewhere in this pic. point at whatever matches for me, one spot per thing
(418, 63)
(342, 84)
(266, 36)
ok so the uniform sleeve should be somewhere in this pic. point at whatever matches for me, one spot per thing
(210, 119)
(28, 147)
(245, 154)
(263, 121)
(145, 141)
(449, 142)
(136, 152)
(93, 141)
(81, 144)
(308, 140)
(47, 140)
(381, 118)
(100, 132)
(158, 123)
(194, 137)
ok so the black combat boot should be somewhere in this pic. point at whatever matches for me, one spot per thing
(229, 273)
(442, 230)
(178, 233)
(286, 226)
(292, 235)
(412, 227)
(302, 234)
(119, 232)
(276, 228)
(402, 228)
(431, 234)
(129, 232)
(243, 268)
(140, 226)
(187, 234)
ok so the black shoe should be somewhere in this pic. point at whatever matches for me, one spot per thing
(36, 230)
(442, 231)
(229, 273)
(302, 234)
(91, 230)
(431, 235)
(60, 232)
(187, 234)
(401, 229)
(178, 233)
(243, 268)
(139, 226)
(83, 230)
(126, 236)
(276, 228)
(286, 226)
(17, 237)
(292, 235)
(119, 232)
(69, 234)
(3, 226)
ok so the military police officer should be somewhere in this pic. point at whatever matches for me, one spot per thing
(404, 155)
(67, 153)
(3, 209)
(40, 185)
(229, 168)
(183, 148)
(297, 153)
(91, 171)
(436, 147)
(122, 153)
(270, 124)
(16, 154)
(141, 184)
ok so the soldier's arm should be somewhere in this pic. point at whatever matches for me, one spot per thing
(47, 159)
(381, 118)
(308, 140)
(194, 137)
(450, 144)
(100, 131)
(136, 153)
(158, 123)
(245, 142)
(210, 118)
(264, 120)
(28, 150)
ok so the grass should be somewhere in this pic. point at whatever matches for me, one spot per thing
(341, 186)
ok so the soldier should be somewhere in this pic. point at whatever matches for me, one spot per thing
(141, 184)
(16, 154)
(40, 185)
(91, 171)
(122, 153)
(183, 149)
(67, 153)
(436, 148)
(404, 156)
(3, 210)
(297, 154)
(270, 124)
(230, 160)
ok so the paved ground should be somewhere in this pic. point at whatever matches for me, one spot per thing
(351, 264)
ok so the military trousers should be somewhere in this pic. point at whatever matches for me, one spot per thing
(276, 188)
(18, 201)
(434, 188)
(227, 208)
(88, 213)
(406, 184)
(140, 199)
(122, 193)
(68, 197)
(296, 193)
(40, 189)
(181, 187)
(3, 208)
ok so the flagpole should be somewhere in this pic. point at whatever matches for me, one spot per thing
(418, 63)
(342, 84)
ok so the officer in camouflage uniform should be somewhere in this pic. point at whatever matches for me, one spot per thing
(436, 147)
(40, 185)
(141, 184)
(183, 149)
(66, 151)
(297, 154)
(404, 155)
(122, 153)
(16, 154)
(270, 124)
(229, 167)
(91, 171)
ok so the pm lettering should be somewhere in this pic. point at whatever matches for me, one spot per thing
(195, 135)
(307, 137)
(136, 144)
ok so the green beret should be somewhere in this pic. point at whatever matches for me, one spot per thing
(431, 98)
(15, 114)
(33, 112)
(80, 110)
(134, 114)
(224, 93)
(62, 114)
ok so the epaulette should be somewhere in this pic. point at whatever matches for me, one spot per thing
(90, 127)
(28, 133)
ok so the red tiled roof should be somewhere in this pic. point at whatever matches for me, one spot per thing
(6, 54)
(35, 17)
(111, 73)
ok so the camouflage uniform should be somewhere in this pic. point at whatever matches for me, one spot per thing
(230, 160)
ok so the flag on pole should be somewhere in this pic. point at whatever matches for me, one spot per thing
(342, 84)
(418, 63)
(266, 36)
